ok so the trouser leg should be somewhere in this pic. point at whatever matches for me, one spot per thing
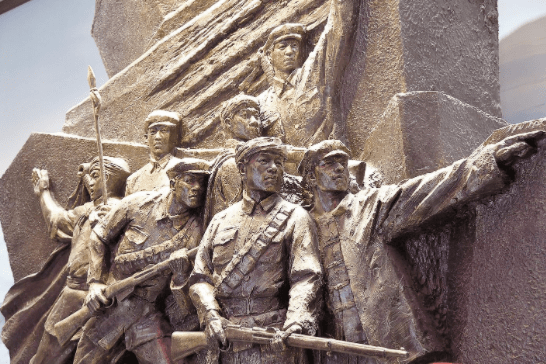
(89, 353)
(157, 351)
(50, 351)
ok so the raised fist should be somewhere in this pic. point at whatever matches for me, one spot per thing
(40, 180)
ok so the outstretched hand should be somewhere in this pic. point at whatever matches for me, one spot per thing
(514, 148)
(40, 180)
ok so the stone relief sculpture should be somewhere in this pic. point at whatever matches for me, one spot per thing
(148, 227)
(367, 297)
(300, 100)
(251, 254)
(275, 241)
(161, 130)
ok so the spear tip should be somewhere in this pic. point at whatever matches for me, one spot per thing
(91, 78)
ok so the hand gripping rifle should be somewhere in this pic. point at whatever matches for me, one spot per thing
(187, 343)
(65, 329)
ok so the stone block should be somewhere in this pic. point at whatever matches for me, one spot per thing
(420, 132)
(497, 279)
(421, 45)
(25, 231)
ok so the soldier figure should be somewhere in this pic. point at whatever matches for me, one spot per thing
(302, 97)
(162, 131)
(75, 225)
(366, 295)
(258, 263)
(241, 118)
(148, 227)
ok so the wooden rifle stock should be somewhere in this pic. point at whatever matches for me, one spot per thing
(65, 329)
(187, 343)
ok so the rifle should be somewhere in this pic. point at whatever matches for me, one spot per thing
(187, 343)
(65, 329)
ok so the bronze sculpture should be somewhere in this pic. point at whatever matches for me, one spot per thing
(301, 99)
(257, 264)
(367, 298)
(151, 227)
(161, 130)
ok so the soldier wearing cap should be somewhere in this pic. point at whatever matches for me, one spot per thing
(258, 263)
(162, 132)
(75, 226)
(302, 96)
(369, 300)
(146, 228)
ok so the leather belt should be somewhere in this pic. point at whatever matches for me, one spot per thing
(241, 306)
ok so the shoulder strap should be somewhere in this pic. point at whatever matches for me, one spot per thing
(245, 261)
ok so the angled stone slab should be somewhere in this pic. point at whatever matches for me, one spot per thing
(25, 231)
(401, 46)
(420, 132)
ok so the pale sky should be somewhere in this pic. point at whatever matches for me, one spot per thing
(45, 48)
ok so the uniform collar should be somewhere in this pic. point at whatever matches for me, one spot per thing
(280, 85)
(161, 163)
(267, 204)
(340, 209)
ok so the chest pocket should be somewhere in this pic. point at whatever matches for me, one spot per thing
(223, 245)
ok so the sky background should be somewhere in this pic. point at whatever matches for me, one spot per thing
(45, 48)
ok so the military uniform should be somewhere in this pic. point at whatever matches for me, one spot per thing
(258, 264)
(148, 236)
(367, 295)
(151, 177)
(304, 103)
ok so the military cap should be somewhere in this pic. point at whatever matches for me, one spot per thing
(257, 145)
(324, 149)
(232, 104)
(161, 117)
(112, 166)
(285, 31)
(177, 166)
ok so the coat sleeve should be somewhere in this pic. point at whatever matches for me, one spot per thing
(415, 201)
(104, 234)
(305, 274)
(201, 283)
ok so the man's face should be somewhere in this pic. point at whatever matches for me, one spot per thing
(285, 55)
(264, 172)
(332, 174)
(189, 188)
(94, 184)
(245, 124)
(159, 140)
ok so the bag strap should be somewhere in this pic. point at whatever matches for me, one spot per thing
(245, 261)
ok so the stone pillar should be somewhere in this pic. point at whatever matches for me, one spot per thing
(421, 45)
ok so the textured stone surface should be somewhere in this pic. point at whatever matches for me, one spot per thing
(421, 132)
(400, 47)
(522, 57)
(123, 29)
(408, 45)
(7, 5)
(497, 276)
(22, 221)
